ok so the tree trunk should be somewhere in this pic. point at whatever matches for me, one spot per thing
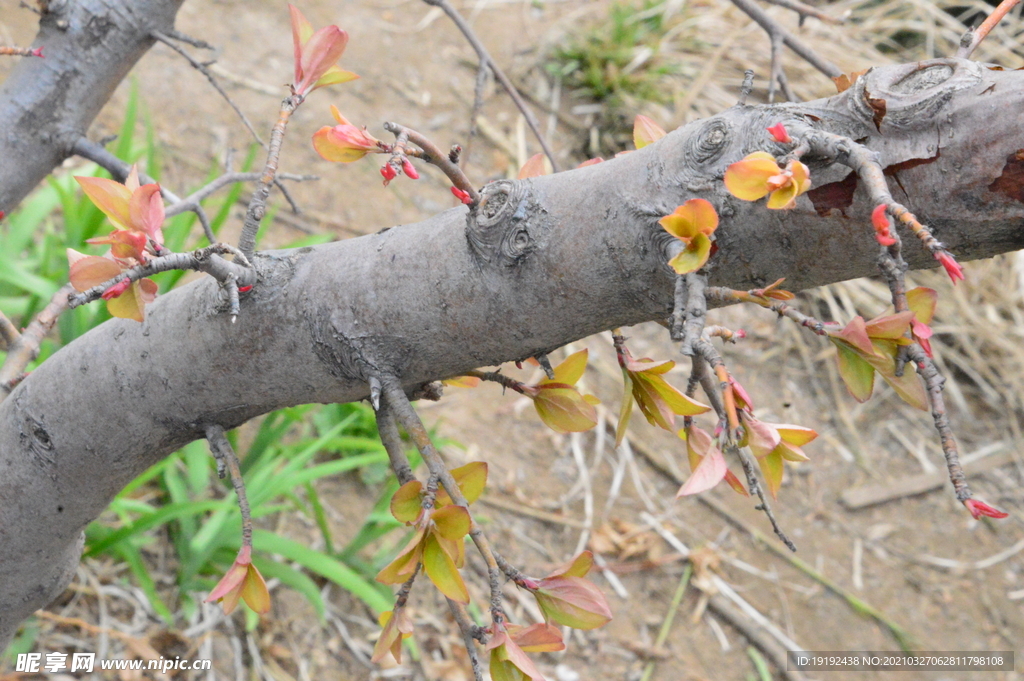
(46, 104)
(545, 262)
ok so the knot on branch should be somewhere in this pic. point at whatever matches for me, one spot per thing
(499, 230)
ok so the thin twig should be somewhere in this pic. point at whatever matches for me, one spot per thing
(194, 199)
(804, 11)
(201, 68)
(470, 634)
(392, 441)
(434, 156)
(774, 29)
(972, 39)
(258, 203)
(485, 58)
(24, 347)
(20, 51)
(223, 452)
(231, 274)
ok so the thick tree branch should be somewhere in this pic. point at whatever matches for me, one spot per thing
(545, 261)
(46, 105)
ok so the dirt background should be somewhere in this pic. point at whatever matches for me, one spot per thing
(952, 583)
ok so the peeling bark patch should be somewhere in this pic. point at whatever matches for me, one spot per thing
(878, 107)
(1011, 182)
(834, 195)
(910, 163)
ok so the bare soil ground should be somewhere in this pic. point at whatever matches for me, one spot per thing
(950, 582)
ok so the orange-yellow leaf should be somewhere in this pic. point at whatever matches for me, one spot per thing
(462, 381)
(573, 602)
(922, 302)
(693, 257)
(471, 479)
(110, 197)
(452, 522)
(890, 327)
(646, 131)
(406, 504)
(87, 271)
(571, 368)
(696, 216)
(748, 179)
(132, 303)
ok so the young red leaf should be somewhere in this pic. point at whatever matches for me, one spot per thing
(573, 602)
(537, 165)
(979, 508)
(780, 134)
(708, 473)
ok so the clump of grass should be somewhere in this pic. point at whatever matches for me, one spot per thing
(619, 64)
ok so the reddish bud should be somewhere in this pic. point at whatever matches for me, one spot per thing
(979, 508)
(38, 52)
(461, 195)
(739, 333)
(409, 169)
(244, 289)
(953, 268)
(779, 132)
(388, 173)
(2, 215)
(117, 289)
(880, 220)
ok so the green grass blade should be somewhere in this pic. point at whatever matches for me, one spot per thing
(325, 566)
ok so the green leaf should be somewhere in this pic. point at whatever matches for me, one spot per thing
(772, 468)
(440, 568)
(856, 372)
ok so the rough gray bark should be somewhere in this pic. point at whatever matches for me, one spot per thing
(47, 104)
(549, 260)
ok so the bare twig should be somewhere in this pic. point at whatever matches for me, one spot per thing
(485, 58)
(20, 51)
(258, 203)
(24, 347)
(805, 10)
(202, 68)
(775, 30)
(432, 155)
(392, 441)
(971, 39)
(470, 634)
(193, 200)
(225, 456)
(231, 274)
